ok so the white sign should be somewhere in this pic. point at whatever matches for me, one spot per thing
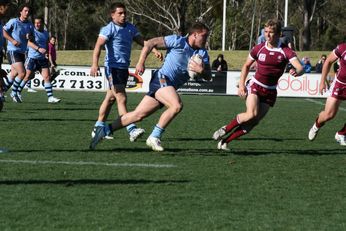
(306, 85)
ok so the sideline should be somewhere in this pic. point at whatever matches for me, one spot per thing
(320, 103)
(81, 163)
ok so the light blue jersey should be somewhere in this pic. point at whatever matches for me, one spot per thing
(1, 37)
(179, 52)
(41, 40)
(19, 31)
(118, 45)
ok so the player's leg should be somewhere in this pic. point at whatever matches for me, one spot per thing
(146, 107)
(30, 68)
(171, 100)
(340, 136)
(104, 111)
(252, 105)
(245, 127)
(329, 112)
(3, 75)
(121, 99)
(19, 67)
(106, 106)
(29, 87)
(27, 77)
(120, 77)
(47, 84)
(17, 64)
(9, 80)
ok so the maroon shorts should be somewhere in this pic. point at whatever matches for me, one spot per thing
(338, 90)
(265, 95)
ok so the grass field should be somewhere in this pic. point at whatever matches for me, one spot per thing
(273, 179)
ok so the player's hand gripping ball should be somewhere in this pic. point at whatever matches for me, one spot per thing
(198, 59)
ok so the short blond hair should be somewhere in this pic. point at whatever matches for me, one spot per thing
(275, 24)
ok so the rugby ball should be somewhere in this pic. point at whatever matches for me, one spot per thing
(198, 59)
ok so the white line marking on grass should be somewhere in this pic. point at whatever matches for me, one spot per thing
(90, 163)
(321, 103)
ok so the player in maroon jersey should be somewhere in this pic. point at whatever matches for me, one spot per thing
(260, 92)
(337, 93)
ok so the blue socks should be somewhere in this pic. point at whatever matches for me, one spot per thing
(157, 131)
(130, 128)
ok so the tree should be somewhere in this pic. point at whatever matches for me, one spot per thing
(172, 15)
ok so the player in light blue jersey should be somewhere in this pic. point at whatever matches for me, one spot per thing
(165, 81)
(3, 8)
(37, 60)
(18, 31)
(4, 4)
(117, 38)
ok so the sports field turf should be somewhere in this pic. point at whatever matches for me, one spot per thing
(273, 179)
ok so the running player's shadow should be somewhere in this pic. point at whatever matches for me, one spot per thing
(254, 152)
(190, 139)
(67, 182)
(242, 138)
(311, 152)
(99, 150)
(268, 138)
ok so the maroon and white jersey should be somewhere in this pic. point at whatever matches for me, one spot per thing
(271, 63)
(340, 52)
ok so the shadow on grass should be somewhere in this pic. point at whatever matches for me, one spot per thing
(311, 152)
(91, 182)
(242, 139)
(47, 119)
(254, 152)
(192, 151)
(54, 109)
(86, 150)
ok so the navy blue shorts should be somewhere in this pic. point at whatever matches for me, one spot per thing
(15, 57)
(36, 64)
(158, 81)
(116, 76)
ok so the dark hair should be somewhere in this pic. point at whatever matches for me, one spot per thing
(275, 24)
(21, 7)
(52, 37)
(116, 5)
(4, 2)
(198, 27)
(39, 18)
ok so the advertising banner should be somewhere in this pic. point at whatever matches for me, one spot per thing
(217, 85)
(288, 86)
(77, 78)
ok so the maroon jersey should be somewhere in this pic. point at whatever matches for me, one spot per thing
(271, 62)
(340, 52)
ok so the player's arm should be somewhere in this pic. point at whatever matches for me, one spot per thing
(101, 41)
(10, 39)
(206, 73)
(139, 40)
(298, 69)
(203, 69)
(36, 47)
(149, 45)
(325, 71)
(243, 75)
